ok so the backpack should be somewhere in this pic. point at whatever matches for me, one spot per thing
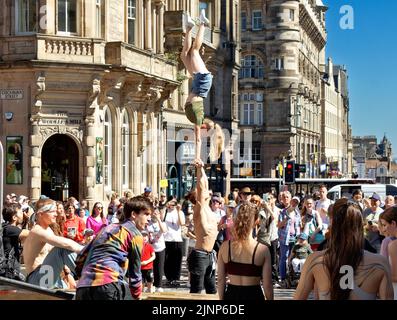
(10, 267)
(312, 227)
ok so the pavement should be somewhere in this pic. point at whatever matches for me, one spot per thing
(180, 292)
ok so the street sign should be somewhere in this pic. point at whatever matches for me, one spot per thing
(301, 168)
(163, 183)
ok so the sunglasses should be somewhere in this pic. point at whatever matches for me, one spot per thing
(247, 193)
(99, 207)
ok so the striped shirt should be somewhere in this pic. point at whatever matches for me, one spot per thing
(114, 251)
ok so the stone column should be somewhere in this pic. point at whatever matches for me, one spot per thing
(160, 37)
(35, 161)
(148, 25)
(154, 28)
(134, 149)
(90, 160)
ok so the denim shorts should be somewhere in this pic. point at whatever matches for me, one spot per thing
(201, 84)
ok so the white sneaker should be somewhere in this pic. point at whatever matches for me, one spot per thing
(188, 21)
(159, 290)
(203, 19)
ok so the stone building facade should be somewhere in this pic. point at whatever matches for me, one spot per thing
(95, 92)
(373, 160)
(336, 144)
(283, 58)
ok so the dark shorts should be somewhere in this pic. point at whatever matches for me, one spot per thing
(195, 112)
(111, 291)
(147, 276)
(238, 293)
(201, 84)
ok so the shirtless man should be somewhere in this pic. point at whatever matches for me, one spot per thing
(202, 259)
(44, 253)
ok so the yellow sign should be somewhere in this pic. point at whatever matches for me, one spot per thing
(280, 169)
(163, 183)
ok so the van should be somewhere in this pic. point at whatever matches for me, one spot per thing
(346, 190)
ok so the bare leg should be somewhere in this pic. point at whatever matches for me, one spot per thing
(185, 55)
(196, 61)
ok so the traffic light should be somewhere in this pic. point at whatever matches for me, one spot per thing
(290, 172)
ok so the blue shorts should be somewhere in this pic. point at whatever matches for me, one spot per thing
(201, 84)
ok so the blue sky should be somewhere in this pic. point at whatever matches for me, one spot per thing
(369, 52)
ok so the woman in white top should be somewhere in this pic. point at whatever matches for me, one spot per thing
(156, 229)
(388, 220)
(174, 220)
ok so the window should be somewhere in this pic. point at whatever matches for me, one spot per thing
(243, 21)
(259, 113)
(291, 14)
(256, 20)
(67, 16)
(279, 63)
(26, 14)
(107, 166)
(131, 17)
(125, 135)
(250, 158)
(251, 111)
(256, 162)
(251, 67)
(100, 18)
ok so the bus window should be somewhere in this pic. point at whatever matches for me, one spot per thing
(333, 195)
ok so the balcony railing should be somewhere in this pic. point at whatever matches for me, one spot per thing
(52, 48)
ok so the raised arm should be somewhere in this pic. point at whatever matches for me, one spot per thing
(202, 182)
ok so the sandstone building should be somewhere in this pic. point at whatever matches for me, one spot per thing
(283, 58)
(92, 93)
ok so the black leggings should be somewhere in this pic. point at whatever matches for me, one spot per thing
(253, 293)
(158, 269)
(173, 260)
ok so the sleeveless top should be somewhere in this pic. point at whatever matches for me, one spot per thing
(243, 269)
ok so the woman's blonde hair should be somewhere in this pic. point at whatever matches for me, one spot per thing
(244, 221)
(217, 140)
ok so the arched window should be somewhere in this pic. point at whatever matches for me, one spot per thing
(125, 142)
(107, 166)
(251, 67)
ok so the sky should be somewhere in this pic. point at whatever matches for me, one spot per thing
(369, 52)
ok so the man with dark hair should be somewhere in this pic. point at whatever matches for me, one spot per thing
(12, 235)
(102, 265)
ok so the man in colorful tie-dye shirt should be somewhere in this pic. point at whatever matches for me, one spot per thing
(114, 254)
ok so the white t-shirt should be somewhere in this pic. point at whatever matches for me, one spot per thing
(174, 233)
(273, 230)
(219, 214)
(157, 237)
(323, 204)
